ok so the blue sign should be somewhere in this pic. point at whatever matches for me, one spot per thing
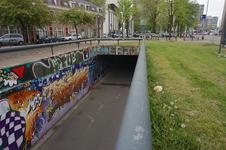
(202, 17)
(110, 25)
(142, 27)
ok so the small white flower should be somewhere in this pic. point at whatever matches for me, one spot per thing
(198, 139)
(187, 120)
(158, 88)
(171, 129)
(157, 82)
(162, 92)
(183, 126)
(175, 107)
(172, 115)
(175, 101)
(171, 103)
(165, 105)
(169, 107)
(175, 112)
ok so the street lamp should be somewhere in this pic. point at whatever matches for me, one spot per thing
(206, 20)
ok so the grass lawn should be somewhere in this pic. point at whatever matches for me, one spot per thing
(190, 112)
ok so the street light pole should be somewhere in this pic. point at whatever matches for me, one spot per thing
(206, 19)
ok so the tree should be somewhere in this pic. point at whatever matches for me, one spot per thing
(24, 13)
(136, 19)
(75, 16)
(150, 12)
(125, 12)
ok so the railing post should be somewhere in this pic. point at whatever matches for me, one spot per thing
(139, 42)
(52, 49)
(90, 43)
(78, 45)
(118, 42)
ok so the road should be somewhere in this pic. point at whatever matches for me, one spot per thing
(8, 59)
(95, 124)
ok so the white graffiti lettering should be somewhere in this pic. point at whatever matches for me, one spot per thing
(33, 102)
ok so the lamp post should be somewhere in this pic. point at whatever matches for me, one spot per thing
(206, 20)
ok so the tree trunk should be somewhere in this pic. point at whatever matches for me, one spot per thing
(28, 33)
(22, 31)
(76, 31)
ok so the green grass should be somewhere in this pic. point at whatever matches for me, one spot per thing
(195, 76)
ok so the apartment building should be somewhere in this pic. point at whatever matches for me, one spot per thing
(62, 30)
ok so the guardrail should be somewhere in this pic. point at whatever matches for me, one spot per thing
(135, 131)
(51, 45)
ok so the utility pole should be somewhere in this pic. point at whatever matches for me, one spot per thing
(206, 19)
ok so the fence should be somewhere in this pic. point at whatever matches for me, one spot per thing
(135, 131)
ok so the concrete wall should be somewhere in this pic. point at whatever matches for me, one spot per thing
(35, 95)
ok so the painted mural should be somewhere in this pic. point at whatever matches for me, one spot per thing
(35, 95)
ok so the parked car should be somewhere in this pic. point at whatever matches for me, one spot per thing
(72, 36)
(136, 35)
(48, 39)
(105, 35)
(11, 39)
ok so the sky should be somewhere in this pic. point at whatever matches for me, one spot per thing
(215, 8)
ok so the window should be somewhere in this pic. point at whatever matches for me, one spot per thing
(95, 33)
(16, 36)
(72, 4)
(13, 29)
(41, 32)
(83, 32)
(100, 11)
(87, 7)
(65, 4)
(7, 36)
(50, 2)
(93, 9)
(72, 30)
(58, 2)
(59, 32)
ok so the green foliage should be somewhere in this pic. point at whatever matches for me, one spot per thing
(150, 13)
(75, 16)
(125, 12)
(136, 18)
(24, 13)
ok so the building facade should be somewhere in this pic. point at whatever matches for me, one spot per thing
(199, 24)
(62, 30)
(111, 23)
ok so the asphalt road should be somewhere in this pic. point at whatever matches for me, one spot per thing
(8, 59)
(95, 124)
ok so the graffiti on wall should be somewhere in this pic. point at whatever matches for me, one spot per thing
(41, 92)
(9, 78)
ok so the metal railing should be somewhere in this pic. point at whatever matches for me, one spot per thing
(51, 45)
(135, 131)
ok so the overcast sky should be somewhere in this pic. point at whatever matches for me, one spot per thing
(215, 7)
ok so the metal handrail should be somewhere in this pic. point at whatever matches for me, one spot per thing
(135, 131)
(18, 48)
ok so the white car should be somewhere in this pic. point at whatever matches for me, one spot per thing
(72, 36)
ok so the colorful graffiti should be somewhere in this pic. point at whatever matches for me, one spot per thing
(35, 95)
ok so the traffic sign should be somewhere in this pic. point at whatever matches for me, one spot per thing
(202, 17)
(142, 27)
